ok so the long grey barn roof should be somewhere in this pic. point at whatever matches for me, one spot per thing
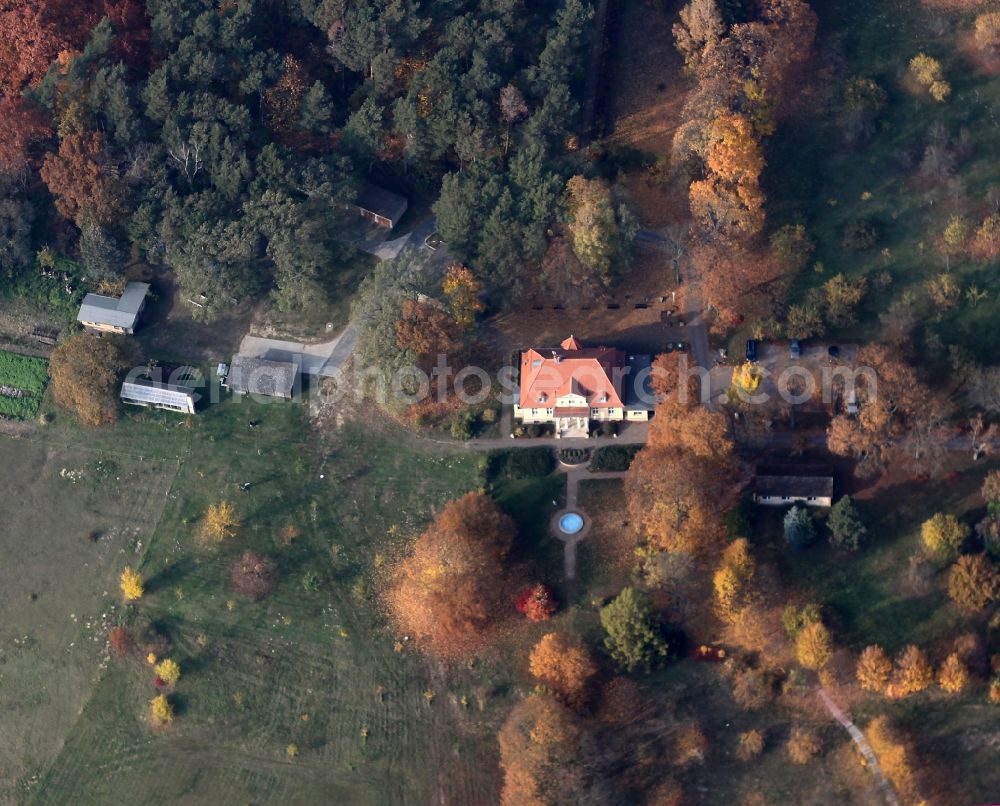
(117, 312)
(147, 391)
(805, 486)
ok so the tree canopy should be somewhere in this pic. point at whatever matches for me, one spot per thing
(446, 592)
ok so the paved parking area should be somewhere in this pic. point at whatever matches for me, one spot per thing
(775, 358)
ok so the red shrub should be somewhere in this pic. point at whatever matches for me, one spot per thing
(254, 576)
(120, 641)
(536, 602)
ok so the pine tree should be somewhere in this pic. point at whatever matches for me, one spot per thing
(847, 527)
(632, 635)
(799, 528)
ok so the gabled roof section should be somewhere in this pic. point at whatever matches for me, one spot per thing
(794, 486)
(114, 311)
(593, 373)
(382, 202)
(258, 376)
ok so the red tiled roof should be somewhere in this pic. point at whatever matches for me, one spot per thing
(548, 374)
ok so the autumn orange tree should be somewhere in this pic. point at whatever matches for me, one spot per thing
(894, 757)
(750, 66)
(21, 126)
(283, 100)
(683, 481)
(912, 673)
(889, 395)
(83, 189)
(446, 592)
(85, 372)
(803, 744)
(728, 210)
(427, 330)
(953, 676)
(732, 579)
(36, 32)
(814, 646)
(672, 371)
(973, 582)
(565, 665)
(546, 755)
(874, 668)
(461, 292)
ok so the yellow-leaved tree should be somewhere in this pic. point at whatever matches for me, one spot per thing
(161, 712)
(131, 585)
(747, 378)
(461, 290)
(874, 668)
(943, 535)
(565, 665)
(913, 673)
(732, 579)
(953, 675)
(168, 671)
(814, 646)
(593, 226)
(221, 522)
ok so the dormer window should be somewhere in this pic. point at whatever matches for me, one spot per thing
(542, 397)
(604, 398)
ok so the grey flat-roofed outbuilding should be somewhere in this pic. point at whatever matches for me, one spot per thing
(114, 314)
(638, 384)
(780, 490)
(144, 392)
(259, 376)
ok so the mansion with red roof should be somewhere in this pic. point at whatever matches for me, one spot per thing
(571, 385)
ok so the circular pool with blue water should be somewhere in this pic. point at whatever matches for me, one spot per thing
(570, 523)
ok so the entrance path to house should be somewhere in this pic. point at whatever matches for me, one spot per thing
(574, 475)
(866, 749)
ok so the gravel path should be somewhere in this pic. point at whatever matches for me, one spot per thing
(866, 749)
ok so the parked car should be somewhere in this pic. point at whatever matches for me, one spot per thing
(751, 350)
(796, 349)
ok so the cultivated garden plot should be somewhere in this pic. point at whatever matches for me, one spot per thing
(22, 381)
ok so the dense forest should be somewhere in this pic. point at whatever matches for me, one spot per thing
(223, 140)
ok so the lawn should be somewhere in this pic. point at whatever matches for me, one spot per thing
(869, 595)
(816, 180)
(71, 519)
(26, 377)
(312, 665)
